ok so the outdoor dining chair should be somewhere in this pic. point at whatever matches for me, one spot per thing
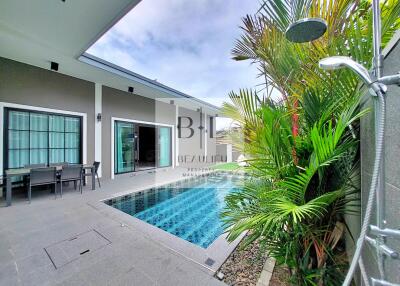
(25, 180)
(40, 177)
(96, 168)
(71, 173)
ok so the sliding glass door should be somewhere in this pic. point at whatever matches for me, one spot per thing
(164, 147)
(124, 145)
(139, 146)
(39, 137)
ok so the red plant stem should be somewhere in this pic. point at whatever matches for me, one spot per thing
(295, 128)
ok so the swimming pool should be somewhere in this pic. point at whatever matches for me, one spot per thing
(188, 209)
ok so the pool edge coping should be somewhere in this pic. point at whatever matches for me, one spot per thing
(184, 248)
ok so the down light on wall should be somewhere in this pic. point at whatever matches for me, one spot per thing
(54, 66)
(131, 89)
(98, 117)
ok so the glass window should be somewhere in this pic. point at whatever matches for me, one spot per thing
(39, 122)
(39, 137)
(56, 123)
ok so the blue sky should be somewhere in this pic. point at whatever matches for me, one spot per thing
(184, 44)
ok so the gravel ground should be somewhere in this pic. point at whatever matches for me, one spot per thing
(279, 277)
(243, 267)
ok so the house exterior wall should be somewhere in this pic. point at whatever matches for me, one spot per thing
(391, 167)
(40, 88)
(124, 105)
(31, 86)
(192, 153)
(224, 152)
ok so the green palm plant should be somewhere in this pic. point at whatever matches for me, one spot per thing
(303, 150)
(289, 206)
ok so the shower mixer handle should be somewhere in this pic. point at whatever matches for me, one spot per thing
(383, 248)
(376, 282)
(386, 231)
(390, 79)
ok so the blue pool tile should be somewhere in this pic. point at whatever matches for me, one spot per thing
(189, 209)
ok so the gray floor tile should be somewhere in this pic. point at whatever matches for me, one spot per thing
(132, 258)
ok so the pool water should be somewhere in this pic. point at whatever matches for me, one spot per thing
(189, 209)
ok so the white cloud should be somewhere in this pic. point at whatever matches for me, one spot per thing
(184, 44)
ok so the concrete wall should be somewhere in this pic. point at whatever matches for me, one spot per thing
(29, 85)
(190, 148)
(224, 152)
(392, 166)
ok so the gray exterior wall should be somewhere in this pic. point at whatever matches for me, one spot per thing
(189, 147)
(392, 167)
(117, 103)
(28, 85)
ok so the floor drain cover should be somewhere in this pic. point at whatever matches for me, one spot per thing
(75, 247)
(209, 262)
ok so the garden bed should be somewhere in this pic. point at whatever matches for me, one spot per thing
(243, 268)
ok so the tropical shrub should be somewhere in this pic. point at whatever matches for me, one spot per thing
(302, 150)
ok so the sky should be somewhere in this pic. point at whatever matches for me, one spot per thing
(184, 44)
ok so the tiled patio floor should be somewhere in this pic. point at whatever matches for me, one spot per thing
(126, 256)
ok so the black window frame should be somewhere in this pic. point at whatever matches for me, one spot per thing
(6, 149)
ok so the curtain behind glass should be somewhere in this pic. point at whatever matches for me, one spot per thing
(18, 139)
(39, 130)
(56, 139)
(164, 143)
(72, 139)
(42, 138)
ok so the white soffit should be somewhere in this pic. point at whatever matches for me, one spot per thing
(68, 26)
(38, 32)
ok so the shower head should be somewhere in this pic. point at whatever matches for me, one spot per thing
(338, 62)
(306, 30)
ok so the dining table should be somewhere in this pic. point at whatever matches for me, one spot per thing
(23, 172)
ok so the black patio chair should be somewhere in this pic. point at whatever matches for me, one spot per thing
(31, 166)
(41, 177)
(71, 173)
(96, 168)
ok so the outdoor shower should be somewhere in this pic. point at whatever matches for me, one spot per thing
(309, 29)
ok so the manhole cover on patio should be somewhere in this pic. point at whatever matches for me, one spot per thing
(68, 250)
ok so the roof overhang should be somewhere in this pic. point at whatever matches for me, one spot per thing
(148, 87)
(41, 31)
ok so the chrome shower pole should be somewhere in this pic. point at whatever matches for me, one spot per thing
(376, 23)
(380, 193)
